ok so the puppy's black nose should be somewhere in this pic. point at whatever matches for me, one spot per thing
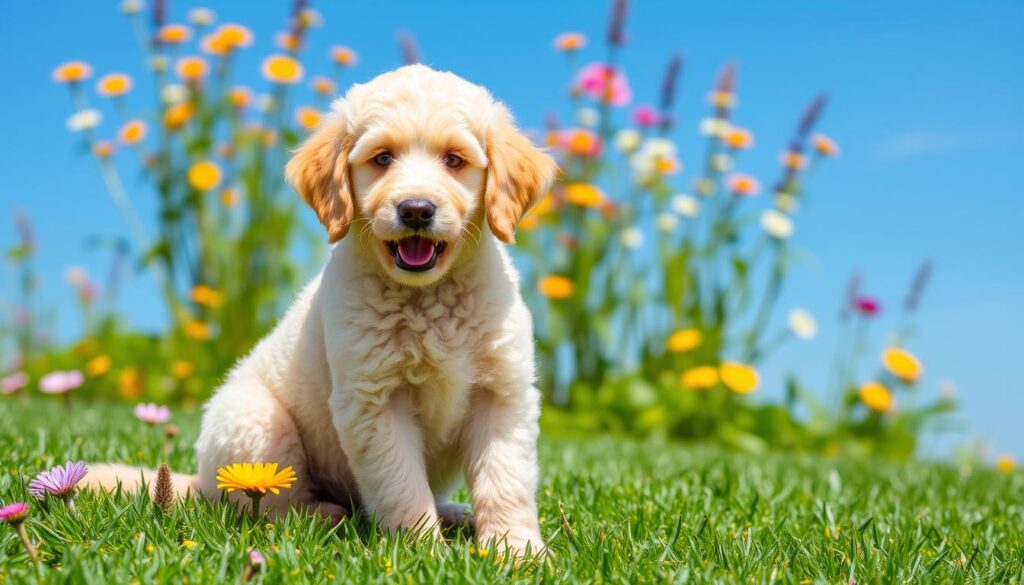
(416, 213)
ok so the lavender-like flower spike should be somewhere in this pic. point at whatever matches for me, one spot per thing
(59, 481)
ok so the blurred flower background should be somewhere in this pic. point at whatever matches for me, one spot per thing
(778, 227)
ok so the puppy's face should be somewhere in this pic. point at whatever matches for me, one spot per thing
(411, 163)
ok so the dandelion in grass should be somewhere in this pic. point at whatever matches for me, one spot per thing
(699, 378)
(152, 414)
(114, 85)
(72, 72)
(255, 479)
(776, 224)
(206, 296)
(556, 287)
(902, 364)
(684, 340)
(876, 397)
(204, 175)
(15, 514)
(802, 324)
(1005, 463)
(344, 56)
(570, 42)
(740, 378)
(282, 69)
(198, 330)
(13, 382)
(59, 481)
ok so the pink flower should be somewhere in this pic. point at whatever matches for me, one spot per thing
(151, 414)
(743, 185)
(645, 116)
(59, 481)
(13, 383)
(14, 513)
(867, 306)
(87, 291)
(255, 558)
(61, 382)
(604, 83)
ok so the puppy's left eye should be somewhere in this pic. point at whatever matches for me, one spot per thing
(453, 161)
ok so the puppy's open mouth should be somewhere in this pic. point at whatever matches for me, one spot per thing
(416, 253)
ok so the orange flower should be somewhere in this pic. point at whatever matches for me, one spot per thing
(570, 41)
(177, 116)
(307, 117)
(738, 138)
(722, 99)
(207, 296)
(198, 330)
(204, 175)
(132, 132)
(876, 396)
(902, 364)
(98, 366)
(182, 369)
(191, 68)
(699, 378)
(213, 44)
(743, 185)
(129, 383)
(103, 149)
(287, 41)
(228, 197)
(684, 340)
(240, 97)
(282, 69)
(824, 145)
(584, 195)
(793, 160)
(344, 56)
(740, 378)
(322, 85)
(72, 72)
(556, 287)
(233, 35)
(174, 34)
(113, 85)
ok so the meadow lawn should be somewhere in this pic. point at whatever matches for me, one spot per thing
(612, 510)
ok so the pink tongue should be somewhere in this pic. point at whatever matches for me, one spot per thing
(415, 251)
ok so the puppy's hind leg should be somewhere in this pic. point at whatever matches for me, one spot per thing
(245, 423)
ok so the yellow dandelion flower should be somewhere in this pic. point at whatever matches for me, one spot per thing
(556, 287)
(132, 132)
(198, 330)
(114, 84)
(189, 544)
(228, 197)
(177, 116)
(738, 138)
(207, 296)
(344, 56)
(191, 69)
(699, 378)
(98, 366)
(174, 34)
(129, 383)
(902, 364)
(72, 72)
(307, 117)
(740, 378)
(684, 340)
(282, 69)
(213, 44)
(824, 145)
(323, 85)
(876, 396)
(287, 41)
(182, 369)
(584, 195)
(255, 477)
(204, 175)
(103, 149)
(240, 96)
(233, 35)
(1005, 463)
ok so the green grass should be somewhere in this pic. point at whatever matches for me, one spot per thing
(611, 510)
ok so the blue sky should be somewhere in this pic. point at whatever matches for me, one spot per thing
(927, 105)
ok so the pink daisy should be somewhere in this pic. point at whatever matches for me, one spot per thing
(152, 414)
(61, 382)
(14, 513)
(59, 481)
(604, 83)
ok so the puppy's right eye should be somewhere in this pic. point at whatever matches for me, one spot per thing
(384, 159)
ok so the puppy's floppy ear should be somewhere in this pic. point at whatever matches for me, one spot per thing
(518, 174)
(319, 172)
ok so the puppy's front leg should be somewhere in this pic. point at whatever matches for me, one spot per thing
(501, 468)
(382, 441)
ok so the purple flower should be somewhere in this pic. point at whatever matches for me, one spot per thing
(13, 383)
(61, 382)
(14, 513)
(645, 116)
(59, 481)
(151, 414)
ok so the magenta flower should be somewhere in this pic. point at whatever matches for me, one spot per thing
(14, 513)
(645, 116)
(604, 83)
(255, 558)
(152, 414)
(61, 382)
(59, 481)
(867, 306)
(13, 383)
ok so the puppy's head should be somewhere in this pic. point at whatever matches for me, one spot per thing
(414, 163)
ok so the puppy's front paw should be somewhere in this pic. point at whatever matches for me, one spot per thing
(455, 514)
(517, 542)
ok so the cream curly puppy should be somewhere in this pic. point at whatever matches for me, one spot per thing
(409, 360)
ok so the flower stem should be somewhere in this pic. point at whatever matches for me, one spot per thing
(70, 501)
(255, 507)
(20, 528)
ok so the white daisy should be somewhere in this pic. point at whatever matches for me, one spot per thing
(632, 238)
(685, 205)
(627, 140)
(587, 117)
(667, 221)
(84, 120)
(802, 324)
(776, 224)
